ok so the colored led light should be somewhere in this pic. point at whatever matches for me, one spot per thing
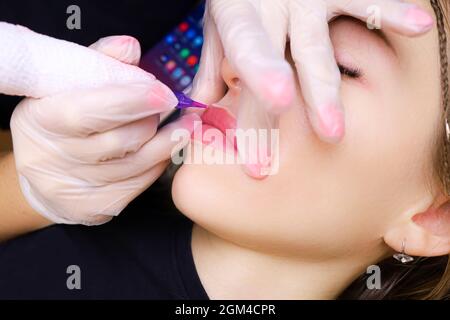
(170, 65)
(191, 34)
(164, 58)
(192, 61)
(185, 81)
(170, 39)
(183, 27)
(177, 73)
(198, 41)
(185, 53)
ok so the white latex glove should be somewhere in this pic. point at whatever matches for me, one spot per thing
(252, 35)
(87, 146)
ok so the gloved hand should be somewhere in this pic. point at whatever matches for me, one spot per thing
(252, 35)
(83, 154)
(35, 65)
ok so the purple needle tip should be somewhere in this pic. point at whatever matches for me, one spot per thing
(185, 102)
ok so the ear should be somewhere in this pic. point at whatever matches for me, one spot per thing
(426, 234)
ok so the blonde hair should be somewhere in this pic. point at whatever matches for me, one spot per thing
(425, 278)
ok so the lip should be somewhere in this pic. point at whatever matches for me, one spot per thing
(219, 118)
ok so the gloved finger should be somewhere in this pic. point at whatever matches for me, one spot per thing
(123, 48)
(123, 192)
(115, 143)
(317, 69)
(116, 195)
(401, 17)
(37, 66)
(102, 109)
(167, 142)
(275, 20)
(250, 53)
(208, 86)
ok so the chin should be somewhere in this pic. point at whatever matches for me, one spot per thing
(186, 191)
(223, 200)
(202, 192)
(226, 202)
(216, 197)
(198, 195)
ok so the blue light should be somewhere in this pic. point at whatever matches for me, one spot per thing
(198, 41)
(191, 34)
(170, 39)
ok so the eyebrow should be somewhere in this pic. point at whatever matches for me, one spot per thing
(385, 39)
(377, 31)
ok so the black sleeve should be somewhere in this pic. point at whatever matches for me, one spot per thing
(143, 254)
(146, 20)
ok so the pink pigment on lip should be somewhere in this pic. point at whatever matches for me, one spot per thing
(216, 119)
(212, 137)
(219, 118)
(217, 129)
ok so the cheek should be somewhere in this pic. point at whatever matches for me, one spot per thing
(331, 200)
(325, 198)
(389, 143)
(379, 170)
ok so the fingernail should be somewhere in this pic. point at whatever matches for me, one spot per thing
(331, 123)
(162, 97)
(106, 42)
(419, 18)
(256, 171)
(125, 47)
(278, 90)
(258, 165)
(131, 49)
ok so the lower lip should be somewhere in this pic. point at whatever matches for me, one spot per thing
(211, 136)
(223, 139)
(217, 130)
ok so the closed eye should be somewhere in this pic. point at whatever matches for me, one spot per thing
(349, 72)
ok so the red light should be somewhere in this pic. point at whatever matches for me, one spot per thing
(183, 27)
(192, 61)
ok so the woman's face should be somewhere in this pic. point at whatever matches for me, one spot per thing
(333, 200)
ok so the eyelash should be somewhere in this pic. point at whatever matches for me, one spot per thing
(353, 73)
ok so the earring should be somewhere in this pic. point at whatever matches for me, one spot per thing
(403, 257)
(447, 129)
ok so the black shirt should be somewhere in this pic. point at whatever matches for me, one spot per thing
(145, 253)
(146, 20)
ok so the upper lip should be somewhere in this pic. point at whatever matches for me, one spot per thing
(220, 118)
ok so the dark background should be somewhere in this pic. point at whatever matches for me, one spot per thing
(146, 20)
